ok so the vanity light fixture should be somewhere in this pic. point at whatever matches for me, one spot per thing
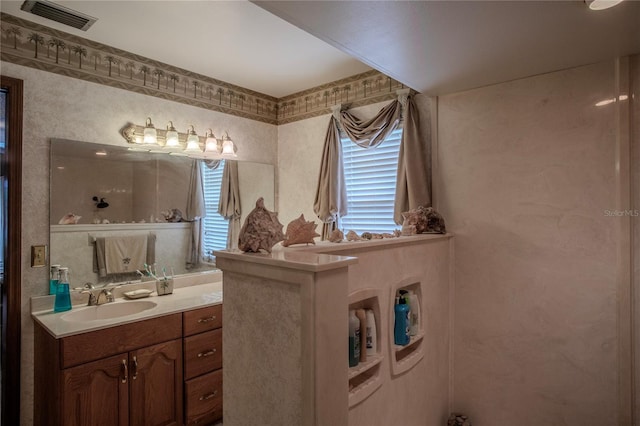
(602, 4)
(150, 135)
(172, 142)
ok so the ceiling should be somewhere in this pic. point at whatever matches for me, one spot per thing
(438, 47)
(434, 47)
(232, 41)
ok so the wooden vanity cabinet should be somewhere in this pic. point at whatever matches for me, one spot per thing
(124, 375)
(202, 330)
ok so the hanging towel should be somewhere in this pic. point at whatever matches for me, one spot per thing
(99, 265)
(125, 254)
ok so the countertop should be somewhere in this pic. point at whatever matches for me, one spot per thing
(182, 299)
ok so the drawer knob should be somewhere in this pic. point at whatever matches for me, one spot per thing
(209, 395)
(207, 353)
(207, 319)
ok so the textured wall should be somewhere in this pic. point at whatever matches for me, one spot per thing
(527, 172)
(62, 107)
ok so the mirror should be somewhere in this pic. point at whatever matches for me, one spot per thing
(113, 191)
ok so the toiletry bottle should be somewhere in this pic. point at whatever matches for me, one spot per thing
(354, 339)
(63, 298)
(362, 317)
(372, 338)
(53, 279)
(401, 326)
(414, 314)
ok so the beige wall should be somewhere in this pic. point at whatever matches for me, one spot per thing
(527, 171)
(66, 108)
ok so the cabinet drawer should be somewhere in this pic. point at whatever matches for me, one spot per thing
(202, 353)
(94, 345)
(200, 320)
(203, 396)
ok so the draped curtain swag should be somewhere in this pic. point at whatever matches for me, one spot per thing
(229, 206)
(373, 132)
(195, 212)
(413, 184)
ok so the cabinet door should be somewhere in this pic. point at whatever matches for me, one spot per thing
(96, 393)
(155, 376)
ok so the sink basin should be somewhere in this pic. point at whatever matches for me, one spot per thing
(109, 311)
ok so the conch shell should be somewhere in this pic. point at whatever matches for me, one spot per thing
(299, 231)
(353, 236)
(336, 236)
(261, 230)
(69, 219)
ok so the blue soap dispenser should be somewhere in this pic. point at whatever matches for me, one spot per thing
(63, 298)
(401, 326)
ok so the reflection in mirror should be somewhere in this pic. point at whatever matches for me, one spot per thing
(107, 193)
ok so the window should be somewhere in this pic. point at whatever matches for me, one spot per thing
(370, 178)
(215, 226)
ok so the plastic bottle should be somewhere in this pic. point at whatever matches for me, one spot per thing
(63, 298)
(362, 317)
(404, 294)
(53, 279)
(414, 316)
(354, 339)
(401, 326)
(372, 338)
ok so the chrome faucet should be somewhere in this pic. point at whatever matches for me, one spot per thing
(108, 296)
(97, 300)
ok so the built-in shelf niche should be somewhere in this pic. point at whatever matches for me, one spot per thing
(365, 379)
(404, 358)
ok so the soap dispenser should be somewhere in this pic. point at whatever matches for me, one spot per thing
(53, 279)
(63, 298)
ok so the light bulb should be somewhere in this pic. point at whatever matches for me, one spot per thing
(150, 135)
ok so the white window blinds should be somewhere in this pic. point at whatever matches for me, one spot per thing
(370, 178)
(215, 226)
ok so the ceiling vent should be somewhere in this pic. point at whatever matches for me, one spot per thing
(58, 13)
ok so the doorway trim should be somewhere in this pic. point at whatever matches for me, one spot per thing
(11, 297)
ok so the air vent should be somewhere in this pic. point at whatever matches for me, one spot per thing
(58, 13)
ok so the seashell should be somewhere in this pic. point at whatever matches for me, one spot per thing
(397, 233)
(366, 236)
(425, 220)
(172, 215)
(69, 219)
(299, 231)
(336, 236)
(352, 236)
(375, 236)
(261, 230)
(388, 235)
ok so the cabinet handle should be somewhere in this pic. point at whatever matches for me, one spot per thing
(125, 371)
(208, 396)
(208, 353)
(204, 320)
(135, 368)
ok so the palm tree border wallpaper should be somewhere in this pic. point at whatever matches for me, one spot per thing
(37, 46)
